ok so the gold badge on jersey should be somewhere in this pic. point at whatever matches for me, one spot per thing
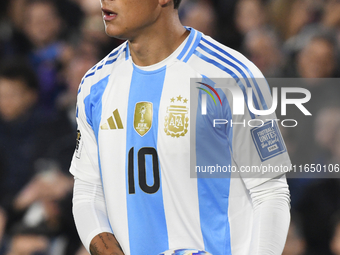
(177, 120)
(142, 118)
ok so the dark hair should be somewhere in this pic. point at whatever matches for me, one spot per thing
(20, 70)
(176, 3)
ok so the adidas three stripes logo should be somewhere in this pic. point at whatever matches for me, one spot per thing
(114, 122)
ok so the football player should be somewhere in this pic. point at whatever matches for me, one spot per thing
(133, 193)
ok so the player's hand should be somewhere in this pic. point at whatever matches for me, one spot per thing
(105, 244)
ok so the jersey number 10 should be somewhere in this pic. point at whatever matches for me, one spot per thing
(142, 170)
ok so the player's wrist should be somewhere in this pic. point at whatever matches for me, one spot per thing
(105, 244)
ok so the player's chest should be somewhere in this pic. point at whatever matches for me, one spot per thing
(146, 109)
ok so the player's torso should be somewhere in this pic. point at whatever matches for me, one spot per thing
(144, 150)
(143, 128)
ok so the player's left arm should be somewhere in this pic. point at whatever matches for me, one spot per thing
(262, 148)
(271, 203)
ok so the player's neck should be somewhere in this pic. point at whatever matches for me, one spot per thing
(158, 42)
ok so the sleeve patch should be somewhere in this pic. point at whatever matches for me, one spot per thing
(268, 140)
(79, 145)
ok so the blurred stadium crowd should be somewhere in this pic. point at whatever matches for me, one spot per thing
(47, 46)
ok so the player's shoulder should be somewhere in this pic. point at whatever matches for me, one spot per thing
(225, 59)
(104, 67)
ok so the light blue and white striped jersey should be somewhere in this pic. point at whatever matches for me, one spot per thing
(134, 140)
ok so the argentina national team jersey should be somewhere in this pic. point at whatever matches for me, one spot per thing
(135, 131)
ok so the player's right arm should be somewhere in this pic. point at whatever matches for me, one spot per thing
(90, 215)
(89, 207)
(105, 243)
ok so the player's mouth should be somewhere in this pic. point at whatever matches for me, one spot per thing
(108, 15)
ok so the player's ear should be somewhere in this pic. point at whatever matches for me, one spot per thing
(164, 3)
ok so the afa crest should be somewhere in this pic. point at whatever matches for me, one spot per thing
(177, 120)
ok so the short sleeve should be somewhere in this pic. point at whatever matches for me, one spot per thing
(85, 164)
(257, 145)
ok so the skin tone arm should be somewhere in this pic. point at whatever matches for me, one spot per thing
(105, 244)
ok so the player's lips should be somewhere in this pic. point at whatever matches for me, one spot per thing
(108, 15)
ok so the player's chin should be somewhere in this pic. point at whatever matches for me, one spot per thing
(115, 32)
